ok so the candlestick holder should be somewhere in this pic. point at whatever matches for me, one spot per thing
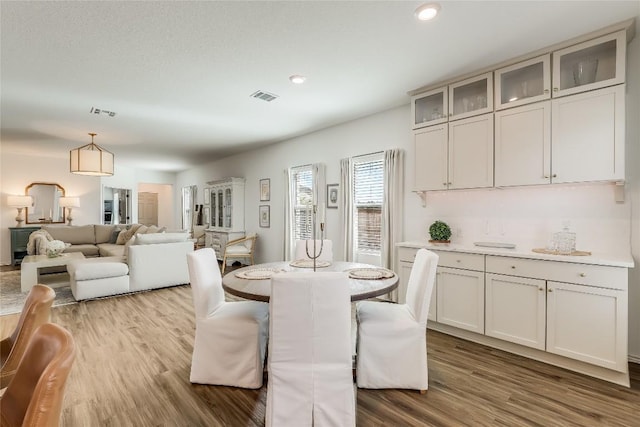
(316, 254)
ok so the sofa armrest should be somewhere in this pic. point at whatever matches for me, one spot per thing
(158, 265)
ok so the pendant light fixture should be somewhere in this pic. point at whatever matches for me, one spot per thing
(91, 159)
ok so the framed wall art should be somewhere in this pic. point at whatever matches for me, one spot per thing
(265, 190)
(332, 195)
(265, 216)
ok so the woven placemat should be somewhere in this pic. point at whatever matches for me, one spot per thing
(549, 252)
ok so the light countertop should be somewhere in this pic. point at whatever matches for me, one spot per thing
(596, 258)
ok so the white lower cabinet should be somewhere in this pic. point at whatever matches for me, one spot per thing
(587, 323)
(516, 309)
(569, 314)
(460, 296)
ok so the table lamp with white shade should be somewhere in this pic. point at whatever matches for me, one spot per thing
(69, 203)
(19, 202)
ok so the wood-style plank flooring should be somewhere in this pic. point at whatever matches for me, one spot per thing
(134, 354)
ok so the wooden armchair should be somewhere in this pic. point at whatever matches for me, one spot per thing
(240, 249)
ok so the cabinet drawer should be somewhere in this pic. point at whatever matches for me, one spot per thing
(461, 260)
(407, 254)
(582, 274)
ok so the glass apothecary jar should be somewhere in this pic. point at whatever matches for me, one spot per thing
(471, 97)
(523, 83)
(429, 108)
(590, 65)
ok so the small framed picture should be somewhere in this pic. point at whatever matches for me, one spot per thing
(207, 194)
(206, 215)
(265, 190)
(265, 216)
(332, 195)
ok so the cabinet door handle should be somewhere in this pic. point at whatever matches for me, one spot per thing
(444, 183)
(457, 260)
(555, 89)
(541, 289)
(554, 176)
(448, 183)
(546, 176)
(513, 267)
(583, 275)
(550, 290)
(546, 91)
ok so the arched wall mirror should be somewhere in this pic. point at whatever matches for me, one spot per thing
(116, 205)
(46, 203)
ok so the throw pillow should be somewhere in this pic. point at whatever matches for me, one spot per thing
(152, 229)
(125, 235)
(114, 236)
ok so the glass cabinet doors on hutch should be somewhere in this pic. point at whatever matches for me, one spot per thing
(523, 83)
(590, 65)
(429, 108)
(470, 97)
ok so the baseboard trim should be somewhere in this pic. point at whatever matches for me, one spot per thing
(634, 359)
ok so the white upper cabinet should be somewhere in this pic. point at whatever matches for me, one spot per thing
(471, 97)
(471, 153)
(523, 145)
(590, 65)
(431, 158)
(429, 108)
(523, 83)
(588, 136)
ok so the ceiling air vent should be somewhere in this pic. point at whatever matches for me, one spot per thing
(98, 111)
(265, 96)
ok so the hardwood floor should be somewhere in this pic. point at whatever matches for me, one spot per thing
(134, 354)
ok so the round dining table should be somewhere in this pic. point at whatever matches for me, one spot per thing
(260, 289)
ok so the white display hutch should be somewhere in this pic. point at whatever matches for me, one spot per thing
(529, 120)
(227, 213)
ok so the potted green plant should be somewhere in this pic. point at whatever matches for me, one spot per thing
(439, 232)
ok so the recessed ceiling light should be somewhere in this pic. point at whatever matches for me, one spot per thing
(427, 11)
(297, 79)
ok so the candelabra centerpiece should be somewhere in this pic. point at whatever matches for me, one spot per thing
(315, 254)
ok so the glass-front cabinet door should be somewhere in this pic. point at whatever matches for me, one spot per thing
(523, 83)
(429, 108)
(219, 207)
(471, 97)
(590, 65)
(228, 207)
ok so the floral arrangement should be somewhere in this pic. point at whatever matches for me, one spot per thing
(55, 248)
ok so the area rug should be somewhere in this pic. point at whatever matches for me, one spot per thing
(12, 299)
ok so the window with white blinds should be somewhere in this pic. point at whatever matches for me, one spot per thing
(302, 186)
(368, 194)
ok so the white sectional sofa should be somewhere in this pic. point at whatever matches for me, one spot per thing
(118, 263)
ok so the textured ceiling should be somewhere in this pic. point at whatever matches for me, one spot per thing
(179, 75)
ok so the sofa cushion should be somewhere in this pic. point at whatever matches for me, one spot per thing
(88, 250)
(114, 236)
(89, 270)
(151, 239)
(111, 249)
(103, 233)
(76, 235)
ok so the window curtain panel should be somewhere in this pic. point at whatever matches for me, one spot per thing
(391, 222)
(289, 243)
(318, 173)
(345, 209)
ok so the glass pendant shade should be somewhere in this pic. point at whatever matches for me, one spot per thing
(91, 159)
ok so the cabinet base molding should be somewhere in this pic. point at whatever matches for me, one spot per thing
(621, 378)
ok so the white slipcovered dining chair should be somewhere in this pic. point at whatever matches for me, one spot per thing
(231, 337)
(325, 255)
(309, 364)
(392, 338)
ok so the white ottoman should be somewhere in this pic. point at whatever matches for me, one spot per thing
(93, 278)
